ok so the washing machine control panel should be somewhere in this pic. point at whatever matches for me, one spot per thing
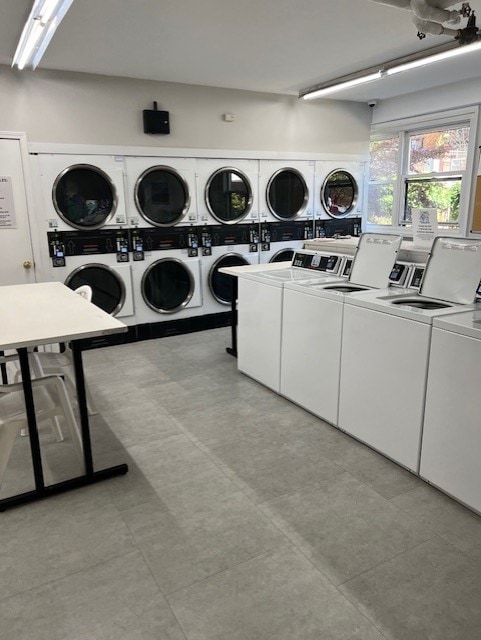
(399, 274)
(416, 277)
(317, 262)
(63, 244)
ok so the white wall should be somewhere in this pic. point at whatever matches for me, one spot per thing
(450, 96)
(79, 108)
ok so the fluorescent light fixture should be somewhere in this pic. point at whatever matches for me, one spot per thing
(437, 57)
(42, 22)
(319, 93)
(387, 69)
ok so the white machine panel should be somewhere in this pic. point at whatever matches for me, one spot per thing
(384, 411)
(451, 444)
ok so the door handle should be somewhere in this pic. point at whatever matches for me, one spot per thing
(27, 264)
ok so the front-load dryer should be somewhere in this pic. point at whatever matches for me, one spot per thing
(167, 281)
(260, 296)
(111, 285)
(161, 191)
(82, 192)
(224, 245)
(338, 189)
(451, 438)
(227, 191)
(312, 320)
(286, 190)
(385, 350)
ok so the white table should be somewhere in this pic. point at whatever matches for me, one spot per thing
(236, 272)
(46, 313)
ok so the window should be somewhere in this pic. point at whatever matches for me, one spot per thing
(422, 165)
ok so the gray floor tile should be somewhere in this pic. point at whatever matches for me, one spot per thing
(344, 527)
(56, 537)
(432, 592)
(116, 599)
(193, 532)
(370, 467)
(447, 518)
(277, 595)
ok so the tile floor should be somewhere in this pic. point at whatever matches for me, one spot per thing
(242, 517)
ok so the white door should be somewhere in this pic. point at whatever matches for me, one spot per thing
(16, 255)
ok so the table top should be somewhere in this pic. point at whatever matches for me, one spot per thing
(49, 312)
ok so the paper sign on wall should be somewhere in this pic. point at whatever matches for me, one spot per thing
(425, 226)
(7, 209)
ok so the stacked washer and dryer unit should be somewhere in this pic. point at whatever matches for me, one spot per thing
(228, 210)
(83, 227)
(162, 209)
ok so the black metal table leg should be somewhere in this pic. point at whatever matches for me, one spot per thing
(232, 350)
(32, 421)
(3, 369)
(90, 476)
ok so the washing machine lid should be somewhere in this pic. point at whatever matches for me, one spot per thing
(374, 259)
(453, 270)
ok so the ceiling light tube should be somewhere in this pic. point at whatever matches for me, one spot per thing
(341, 86)
(437, 57)
(42, 22)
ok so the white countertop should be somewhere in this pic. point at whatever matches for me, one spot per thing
(249, 268)
(48, 312)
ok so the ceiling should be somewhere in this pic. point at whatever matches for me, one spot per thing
(274, 46)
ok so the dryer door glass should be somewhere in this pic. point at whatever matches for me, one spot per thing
(167, 285)
(108, 289)
(284, 255)
(220, 284)
(162, 196)
(228, 195)
(287, 194)
(84, 197)
(339, 193)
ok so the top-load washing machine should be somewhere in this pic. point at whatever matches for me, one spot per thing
(451, 438)
(385, 350)
(82, 215)
(260, 296)
(312, 321)
(286, 193)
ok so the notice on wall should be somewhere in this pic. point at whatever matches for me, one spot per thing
(425, 227)
(477, 203)
(7, 209)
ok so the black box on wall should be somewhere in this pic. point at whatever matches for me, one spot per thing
(156, 121)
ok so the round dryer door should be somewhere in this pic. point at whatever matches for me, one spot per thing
(162, 196)
(108, 288)
(284, 255)
(287, 194)
(167, 285)
(228, 195)
(84, 196)
(220, 284)
(339, 193)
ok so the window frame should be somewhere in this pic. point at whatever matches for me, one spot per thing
(403, 129)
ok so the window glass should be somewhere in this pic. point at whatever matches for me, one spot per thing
(439, 151)
(443, 195)
(426, 169)
(383, 173)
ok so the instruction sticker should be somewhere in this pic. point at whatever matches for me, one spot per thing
(7, 209)
(425, 226)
